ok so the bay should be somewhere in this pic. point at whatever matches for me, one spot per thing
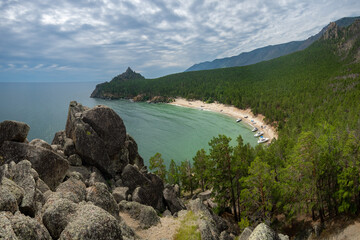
(175, 132)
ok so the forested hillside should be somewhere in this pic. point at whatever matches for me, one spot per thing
(313, 97)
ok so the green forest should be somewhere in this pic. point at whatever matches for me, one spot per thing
(312, 97)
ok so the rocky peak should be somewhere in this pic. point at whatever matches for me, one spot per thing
(129, 74)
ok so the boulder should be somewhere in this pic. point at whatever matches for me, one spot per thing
(101, 197)
(207, 231)
(13, 131)
(23, 178)
(263, 232)
(172, 201)
(75, 160)
(41, 185)
(146, 215)
(92, 222)
(8, 201)
(12, 188)
(57, 215)
(84, 171)
(132, 147)
(73, 189)
(204, 195)
(166, 213)
(225, 236)
(50, 166)
(120, 193)
(41, 143)
(96, 176)
(59, 139)
(6, 230)
(133, 178)
(245, 234)
(69, 147)
(27, 228)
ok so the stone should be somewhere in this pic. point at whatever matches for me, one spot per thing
(127, 232)
(11, 187)
(7, 201)
(84, 171)
(132, 178)
(73, 189)
(69, 147)
(206, 231)
(24, 179)
(50, 166)
(245, 234)
(75, 160)
(6, 230)
(225, 236)
(41, 143)
(172, 201)
(41, 185)
(166, 213)
(101, 197)
(92, 222)
(57, 215)
(13, 131)
(204, 195)
(26, 228)
(96, 176)
(59, 139)
(132, 147)
(263, 232)
(120, 193)
(177, 190)
(146, 215)
(283, 237)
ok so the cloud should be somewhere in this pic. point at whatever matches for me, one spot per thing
(154, 37)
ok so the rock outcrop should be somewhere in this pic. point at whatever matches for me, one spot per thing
(74, 188)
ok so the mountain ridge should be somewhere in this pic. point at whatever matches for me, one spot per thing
(268, 52)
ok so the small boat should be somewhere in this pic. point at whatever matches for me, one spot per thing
(262, 140)
(258, 134)
(254, 129)
(238, 120)
(246, 117)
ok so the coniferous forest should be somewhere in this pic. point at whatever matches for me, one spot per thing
(312, 97)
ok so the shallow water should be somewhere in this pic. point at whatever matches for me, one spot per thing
(176, 132)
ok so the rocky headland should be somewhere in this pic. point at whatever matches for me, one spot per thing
(76, 187)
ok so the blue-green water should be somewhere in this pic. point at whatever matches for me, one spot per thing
(176, 132)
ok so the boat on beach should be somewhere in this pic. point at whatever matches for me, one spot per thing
(254, 129)
(258, 134)
(263, 140)
(238, 120)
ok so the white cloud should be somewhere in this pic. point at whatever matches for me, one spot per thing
(153, 35)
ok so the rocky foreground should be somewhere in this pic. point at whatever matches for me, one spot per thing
(76, 187)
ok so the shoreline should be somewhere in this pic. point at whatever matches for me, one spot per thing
(251, 120)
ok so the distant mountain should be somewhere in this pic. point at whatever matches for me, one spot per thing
(268, 52)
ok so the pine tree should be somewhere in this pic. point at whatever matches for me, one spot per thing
(157, 166)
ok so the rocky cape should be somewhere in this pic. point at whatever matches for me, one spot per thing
(72, 189)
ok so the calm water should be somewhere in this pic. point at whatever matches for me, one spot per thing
(176, 132)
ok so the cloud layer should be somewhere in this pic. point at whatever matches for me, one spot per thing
(93, 40)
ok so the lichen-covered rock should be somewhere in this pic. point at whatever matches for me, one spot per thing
(225, 236)
(59, 139)
(172, 201)
(207, 231)
(91, 222)
(73, 189)
(204, 195)
(127, 232)
(96, 176)
(13, 131)
(11, 187)
(101, 197)
(50, 166)
(84, 171)
(26, 228)
(245, 234)
(120, 193)
(133, 178)
(75, 160)
(41, 185)
(57, 215)
(134, 157)
(263, 232)
(6, 230)
(40, 143)
(146, 215)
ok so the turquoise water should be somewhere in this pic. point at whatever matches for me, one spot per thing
(176, 132)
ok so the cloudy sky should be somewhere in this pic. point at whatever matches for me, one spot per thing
(94, 40)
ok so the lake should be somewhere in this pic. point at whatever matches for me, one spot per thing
(175, 132)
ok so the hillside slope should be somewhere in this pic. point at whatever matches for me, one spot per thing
(266, 53)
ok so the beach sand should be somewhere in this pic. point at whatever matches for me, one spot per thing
(258, 121)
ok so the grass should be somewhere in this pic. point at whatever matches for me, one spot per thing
(188, 228)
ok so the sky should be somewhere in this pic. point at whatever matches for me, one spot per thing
(95, 40)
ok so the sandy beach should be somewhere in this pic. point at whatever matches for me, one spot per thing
(251, 120)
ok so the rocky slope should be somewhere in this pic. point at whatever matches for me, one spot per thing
(266, 53)
(75, 188)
